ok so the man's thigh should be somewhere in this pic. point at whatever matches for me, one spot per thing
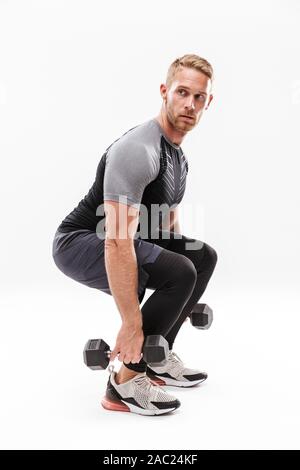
(178, 243)
(80, 256)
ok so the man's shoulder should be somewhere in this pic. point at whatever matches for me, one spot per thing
(135, 154)
(142, 137)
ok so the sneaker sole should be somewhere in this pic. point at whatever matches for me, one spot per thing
(174, 383)
(120, 406)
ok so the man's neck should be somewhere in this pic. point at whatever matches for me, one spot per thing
(175, 136)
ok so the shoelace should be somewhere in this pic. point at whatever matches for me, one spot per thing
(174, 357)
(144, 382)
(176, 365)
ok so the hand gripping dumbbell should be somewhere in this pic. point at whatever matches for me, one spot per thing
(201, 316)
(96, 354)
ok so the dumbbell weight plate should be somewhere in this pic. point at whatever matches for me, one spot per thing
(96, 354)
(202, 316)
(155, 350)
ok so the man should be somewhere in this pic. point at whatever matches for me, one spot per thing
(97, 243)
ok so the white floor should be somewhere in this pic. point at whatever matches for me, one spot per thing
(51, 400)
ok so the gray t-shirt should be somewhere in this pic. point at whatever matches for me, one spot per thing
(131, 163)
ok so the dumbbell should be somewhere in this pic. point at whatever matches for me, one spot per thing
(201, 316)
(96, 354)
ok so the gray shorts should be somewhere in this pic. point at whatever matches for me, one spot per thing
(80, 256)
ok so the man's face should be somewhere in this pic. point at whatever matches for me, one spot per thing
(188, 95)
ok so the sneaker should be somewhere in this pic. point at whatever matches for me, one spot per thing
(175, 373)
(138, 395)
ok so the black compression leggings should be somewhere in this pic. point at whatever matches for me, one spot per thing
(179, 277)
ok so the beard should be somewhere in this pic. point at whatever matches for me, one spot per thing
(178, 122)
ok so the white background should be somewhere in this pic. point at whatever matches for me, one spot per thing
(76, 75)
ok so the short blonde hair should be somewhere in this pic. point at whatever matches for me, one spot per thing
(192, 61)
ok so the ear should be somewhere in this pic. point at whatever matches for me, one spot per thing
(209, 101)
(163, 91)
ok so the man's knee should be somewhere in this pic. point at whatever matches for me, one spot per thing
(186, 271)
(211, 256)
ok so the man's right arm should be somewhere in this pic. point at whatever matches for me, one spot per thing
(129, 168)
(120, 259)
(121, 267)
